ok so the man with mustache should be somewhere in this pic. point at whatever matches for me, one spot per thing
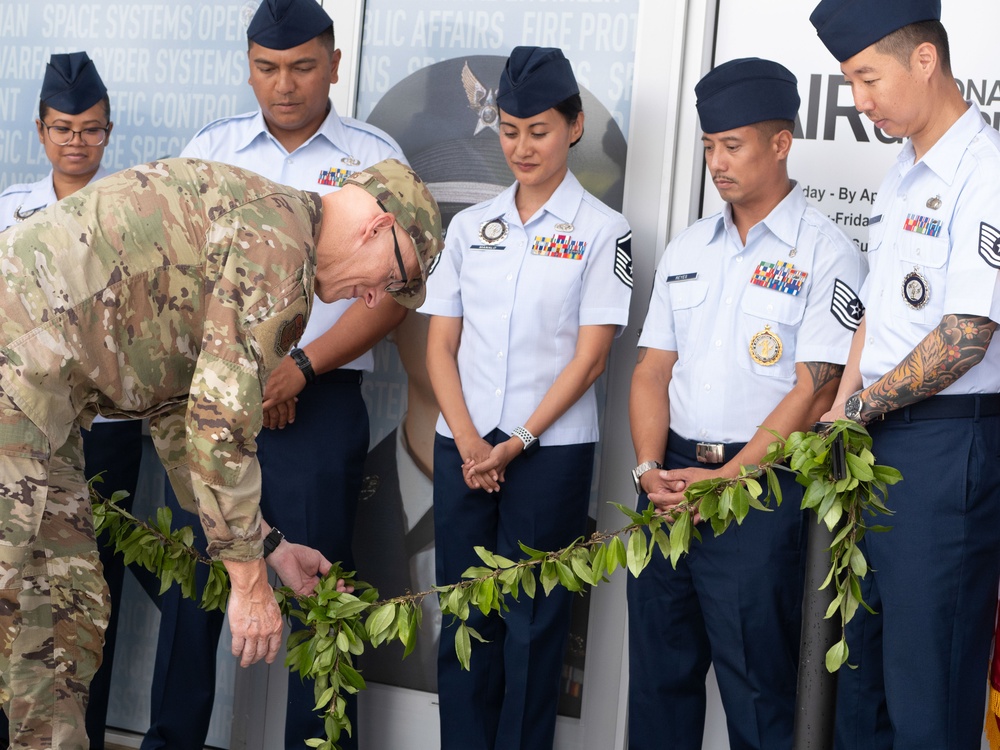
(924, 378)
(748, 330)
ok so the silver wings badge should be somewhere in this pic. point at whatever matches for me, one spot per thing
(482, 101)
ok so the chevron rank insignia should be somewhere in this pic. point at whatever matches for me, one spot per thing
(623, 260)
(989, 244)
(846, 306)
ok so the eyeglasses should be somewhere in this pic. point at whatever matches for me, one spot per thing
(63, 136)
(397, 284)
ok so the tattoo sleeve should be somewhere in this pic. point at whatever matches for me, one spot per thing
(823, 373)
(942, 357)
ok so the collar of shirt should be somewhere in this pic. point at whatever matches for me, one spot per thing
(782, 222)
(331, 128)
(43, 192)
(563, 204)
(945, 156)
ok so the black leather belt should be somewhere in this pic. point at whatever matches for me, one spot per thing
(340, 376)
(948, 407)
(704, 453)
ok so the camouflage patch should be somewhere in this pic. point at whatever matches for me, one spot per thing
(289, 333)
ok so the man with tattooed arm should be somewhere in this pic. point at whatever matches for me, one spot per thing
(748, 330)
(923, 377)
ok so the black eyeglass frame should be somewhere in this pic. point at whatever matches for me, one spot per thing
(398, 284)
(74, 133)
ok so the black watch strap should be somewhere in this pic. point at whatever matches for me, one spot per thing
(303, 363)
(272, 540)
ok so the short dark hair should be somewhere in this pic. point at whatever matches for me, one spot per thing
(901, 43)
(570, 109)
(326, 39)
(770, 128)
(44, 109)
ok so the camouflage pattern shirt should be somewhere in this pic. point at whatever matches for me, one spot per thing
(170, 291)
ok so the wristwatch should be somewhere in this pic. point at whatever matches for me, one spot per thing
(852, 409)
(301, 360)
(529, 440)
(641, 469)
(272, 540)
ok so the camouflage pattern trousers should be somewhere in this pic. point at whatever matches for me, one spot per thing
(54, 604)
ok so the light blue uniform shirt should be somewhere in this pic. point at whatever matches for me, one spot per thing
(522, 299)
(339, 148)
(28, 198)
(935, 226)
(796, 278)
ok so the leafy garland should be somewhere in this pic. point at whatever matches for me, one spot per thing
(338, 625)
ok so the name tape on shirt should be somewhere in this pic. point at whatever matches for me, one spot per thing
(780, 276)
(559, 246)
(623, 260)
(334, 177)
(989, 244)
(923, 225)
(846, 306)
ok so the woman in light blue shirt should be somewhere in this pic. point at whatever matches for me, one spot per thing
(531, 290)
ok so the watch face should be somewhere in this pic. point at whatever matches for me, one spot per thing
(852, 409)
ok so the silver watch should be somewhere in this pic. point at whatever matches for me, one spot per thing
(641, 469)
(853, 406)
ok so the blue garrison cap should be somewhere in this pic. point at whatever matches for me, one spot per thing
(71, 84)
(848, 26)
(283, 24)
(745, 91)
(535, 79)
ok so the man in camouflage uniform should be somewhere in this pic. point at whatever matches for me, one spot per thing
(168, 291)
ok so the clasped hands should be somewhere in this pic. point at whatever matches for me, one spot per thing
(666, 487)
(484, 465)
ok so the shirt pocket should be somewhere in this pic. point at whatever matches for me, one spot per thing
(771, 320)
(920, 285)
(685, 299)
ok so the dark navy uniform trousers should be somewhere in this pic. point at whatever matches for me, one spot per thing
(508, 701)
(923, 660)
(735, 601)
(312, 474)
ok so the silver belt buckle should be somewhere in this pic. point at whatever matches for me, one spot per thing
(710, 453)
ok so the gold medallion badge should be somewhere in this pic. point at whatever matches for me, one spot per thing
(765, 347)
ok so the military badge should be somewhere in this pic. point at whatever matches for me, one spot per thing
(564, 227)
(923, 225)
(780, 276)
(934, 203)
(916, 290)
(623, 260)
(351, 161)
(846, 306)
(494, 231)
(560, 246)
(334, 177)
(765, 347)
(482, 101)
(20, 215)
(989, 244)
(289, 333)
(792, 253)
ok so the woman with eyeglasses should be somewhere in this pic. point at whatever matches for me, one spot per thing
(531, 290)
(74, 122)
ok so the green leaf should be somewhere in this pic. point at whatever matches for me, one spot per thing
(680, 538)
(860, 468)
(858, 563)
(381, 619)
(836, 656)
(636, 554)
(617, 556)
(485, 556)
(528, 582)
(549, 576)
(463, 648)
(566, 577)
